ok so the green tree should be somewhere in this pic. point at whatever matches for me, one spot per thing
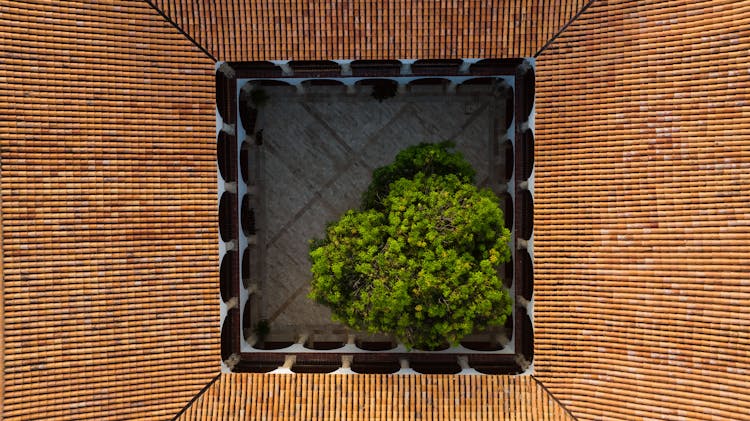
(427, 158)
(422, 267)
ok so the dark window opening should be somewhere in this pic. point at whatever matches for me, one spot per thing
(225, 157)
(525, 275)
(526, 211)
(315, 68)
(374, 368)
(430, 66)
(226, 216)
(376, 67)
(526, 150)
(226, 275)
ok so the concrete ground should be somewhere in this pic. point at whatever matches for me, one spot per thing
(319, 150)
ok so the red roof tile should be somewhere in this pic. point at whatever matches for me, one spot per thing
(109, 233)
(243, 30)
(375, 397)
(108, 212)
(642, 212)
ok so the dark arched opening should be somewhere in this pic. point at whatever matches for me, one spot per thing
(436, 66)
(376, 68)
(527, 340)
(226, 216)
(435, 367)
(222, 95)
(526, 204)
(375, 345)
(246, 271)
(508, 160)
(227, 275)
(323, 345)
(315, 367)
(362, 366)
(525, 274)
(229, 334)
(246, 319)
(506, 201)
(529, 92)
(315, 68)
(526, 151)
(248, 111)
(225, 156)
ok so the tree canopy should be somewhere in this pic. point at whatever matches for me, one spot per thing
(425, 158)
(422, 263)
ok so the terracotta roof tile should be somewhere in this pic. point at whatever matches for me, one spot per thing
(642, 212)
(109, 236)
(375, 397)
(243, 30)
(108, 213)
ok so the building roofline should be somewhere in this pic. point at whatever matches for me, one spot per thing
(182, 31)
(564, 28)
(552, 395)
(202, 391)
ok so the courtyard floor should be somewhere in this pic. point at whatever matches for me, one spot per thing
(318, 154)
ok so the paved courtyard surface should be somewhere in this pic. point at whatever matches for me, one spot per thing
(319, 150)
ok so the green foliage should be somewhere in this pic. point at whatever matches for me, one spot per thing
(262, 329)
(423, 268)
(426, 158)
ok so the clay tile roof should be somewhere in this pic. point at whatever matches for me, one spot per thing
(642, 212)
(109, 230)
(110, 306)
(389, 397)
(242, 30)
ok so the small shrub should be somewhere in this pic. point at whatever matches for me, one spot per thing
(262, 329)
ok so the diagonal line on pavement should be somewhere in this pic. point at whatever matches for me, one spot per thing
(286, 303)
(328, 128)
(475, 115)
(356, 158)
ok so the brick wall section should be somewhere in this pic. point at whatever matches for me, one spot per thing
(375, 397)
(243, 30)
(642, 212)
(109, 246)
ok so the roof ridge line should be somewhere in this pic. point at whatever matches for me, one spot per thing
(564, 27)
(197, 395)
(182, 31)
(541, 384)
